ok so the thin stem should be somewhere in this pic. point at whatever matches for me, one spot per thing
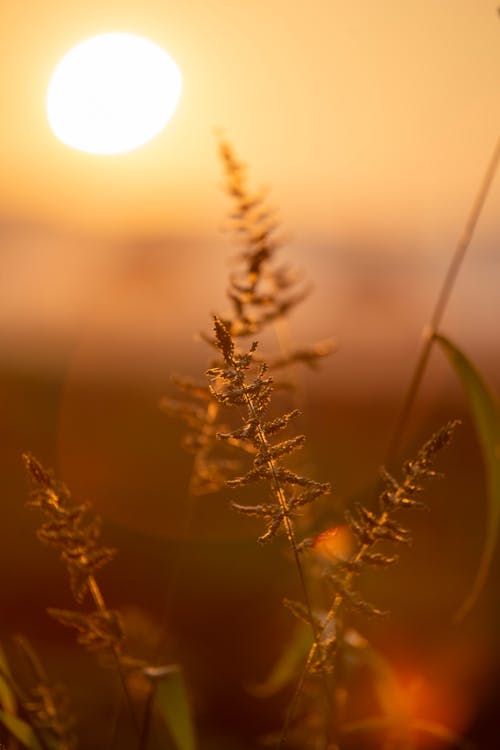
(148, 715)
(442, 302)
(280, 495)
(96, 594)
(114, 722)
(331, 615)
(98, 598)
(285, 511)
(100, 604)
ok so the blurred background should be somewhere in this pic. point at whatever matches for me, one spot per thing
(373, 123)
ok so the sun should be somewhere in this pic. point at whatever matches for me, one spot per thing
(112, 93)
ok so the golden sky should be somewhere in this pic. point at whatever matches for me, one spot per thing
(367, 116)
(372, 122)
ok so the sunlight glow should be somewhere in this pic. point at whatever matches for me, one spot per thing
(112, 93)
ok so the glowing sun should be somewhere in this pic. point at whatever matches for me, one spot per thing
(112, 93)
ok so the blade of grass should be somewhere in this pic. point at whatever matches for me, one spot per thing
(288, 664)
(384, 679)
(432, 728)
(7, 697)
(173, 704)
(442, 302)
(21, 730)
(486, 417)
(442, 733)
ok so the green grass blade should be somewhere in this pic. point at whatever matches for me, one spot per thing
(487, 422)
(21, 730)
(442, 733)
(7, 697)
(360, 656)
(173, 704)
(423, 726)
(288, 664)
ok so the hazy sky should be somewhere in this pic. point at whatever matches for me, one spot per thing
(372, 121)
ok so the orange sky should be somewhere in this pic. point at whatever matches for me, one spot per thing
(370, 116)
(372, 121)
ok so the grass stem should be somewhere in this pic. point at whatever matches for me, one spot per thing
(442, 303)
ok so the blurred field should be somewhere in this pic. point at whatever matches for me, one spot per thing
(213, 591)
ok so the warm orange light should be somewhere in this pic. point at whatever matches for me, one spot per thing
(335, 544)
(112, 93)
